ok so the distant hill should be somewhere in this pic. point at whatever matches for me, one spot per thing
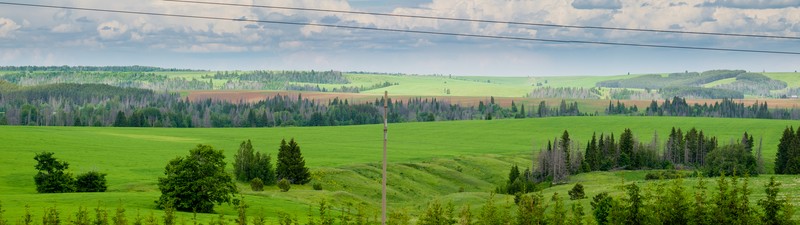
(708, 84)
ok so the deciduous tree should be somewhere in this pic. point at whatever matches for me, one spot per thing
(196, 182)
(52, 176)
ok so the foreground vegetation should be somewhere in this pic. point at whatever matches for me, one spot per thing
(457, 161)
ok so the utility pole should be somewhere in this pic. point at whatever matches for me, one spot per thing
(385, 129)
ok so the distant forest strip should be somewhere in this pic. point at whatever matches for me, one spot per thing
(699, 85)
(148, 78)
(92, 68)
(726, 108)
(105, 105)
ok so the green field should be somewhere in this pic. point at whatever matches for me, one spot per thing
(792, 79)
(427, 160)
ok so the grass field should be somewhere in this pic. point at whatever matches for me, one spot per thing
(791, 78)
(428, 160)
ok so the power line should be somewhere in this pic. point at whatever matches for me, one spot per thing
(489, 21)
(408, 31)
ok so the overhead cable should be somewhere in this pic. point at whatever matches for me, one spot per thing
(486, 21)
(406, 31)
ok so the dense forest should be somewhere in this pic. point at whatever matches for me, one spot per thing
(105, 105)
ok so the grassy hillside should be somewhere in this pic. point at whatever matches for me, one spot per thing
(793, 79)
(428, 159)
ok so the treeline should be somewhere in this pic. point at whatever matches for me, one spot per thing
(342, 89)
(616, 93)
(694, 149)
(104, 105)
(146, 80)
(92, 68)
(318, 77)
(565, 92)
(726, 108)
(700, 92)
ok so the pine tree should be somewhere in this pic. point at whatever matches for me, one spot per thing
(291, 165)
(776, 211)
(700, 212)
(793, 153)
(592, 155)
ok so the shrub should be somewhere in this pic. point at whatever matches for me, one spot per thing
(284, 185)
(256, 184)
(91, 181)
(576, 192)
(317, 186)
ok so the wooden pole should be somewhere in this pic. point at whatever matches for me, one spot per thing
(385, 129)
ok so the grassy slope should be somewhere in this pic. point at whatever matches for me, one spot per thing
(719, 82)
(425, 158)
(792, 79)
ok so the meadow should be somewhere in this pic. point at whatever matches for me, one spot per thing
(459, 162)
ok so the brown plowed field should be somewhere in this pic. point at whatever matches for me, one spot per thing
(585, 104)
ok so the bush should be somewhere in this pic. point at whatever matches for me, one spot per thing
(317, 186)
(256, 184)
(91, 181)
(576, 192)
(284, 185)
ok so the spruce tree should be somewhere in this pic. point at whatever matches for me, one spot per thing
(121, 120)
(626, 143)
(782, 157)
(291, 165)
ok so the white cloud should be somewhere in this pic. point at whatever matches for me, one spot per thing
(309, 30)
(10, 55)
(290, 44)
(111, 30)
(211, 47)
(65, 28)
(7, 27)
(753, 4)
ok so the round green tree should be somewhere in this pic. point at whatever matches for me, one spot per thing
(197, 182)
(91, 181)
(52, 176)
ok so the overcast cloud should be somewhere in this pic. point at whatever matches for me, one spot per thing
(38, 36)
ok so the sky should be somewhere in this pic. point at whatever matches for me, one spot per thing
(44, 36)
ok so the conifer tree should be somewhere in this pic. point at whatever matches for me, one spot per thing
(291, 165)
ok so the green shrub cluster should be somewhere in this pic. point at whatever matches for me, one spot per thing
(53, 177)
